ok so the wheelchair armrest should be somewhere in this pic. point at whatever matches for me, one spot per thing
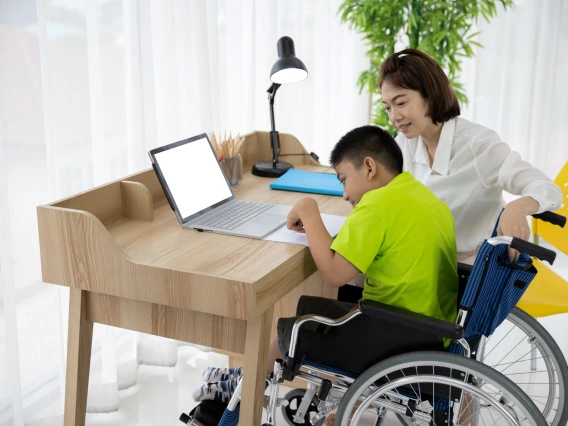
(442, 328)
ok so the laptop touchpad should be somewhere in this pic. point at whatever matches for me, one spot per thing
(269, 219)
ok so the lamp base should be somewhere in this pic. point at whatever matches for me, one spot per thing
(268, 169)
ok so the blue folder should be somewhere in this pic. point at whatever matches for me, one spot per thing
(301, 181)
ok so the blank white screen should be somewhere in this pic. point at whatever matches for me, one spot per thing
(193, 176)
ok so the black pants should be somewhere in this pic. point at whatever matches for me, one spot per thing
(349, 293)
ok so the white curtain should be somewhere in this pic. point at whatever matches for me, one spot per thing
(87, 87)
(517, 83)
(518, 86)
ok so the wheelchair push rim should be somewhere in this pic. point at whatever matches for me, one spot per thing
(478, 394)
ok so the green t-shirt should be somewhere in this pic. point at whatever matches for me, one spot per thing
(403, 238)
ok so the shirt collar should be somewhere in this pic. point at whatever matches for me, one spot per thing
(443, 151)
(421, 153)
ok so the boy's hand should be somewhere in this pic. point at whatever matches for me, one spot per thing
(305, 217)
(303, 209)
(294, 223)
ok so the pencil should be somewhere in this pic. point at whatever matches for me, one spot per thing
(226, 146)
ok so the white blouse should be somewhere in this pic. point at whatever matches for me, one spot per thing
(471, 168)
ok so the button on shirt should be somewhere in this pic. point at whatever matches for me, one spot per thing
(471, 168)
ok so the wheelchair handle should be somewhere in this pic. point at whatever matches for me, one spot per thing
(550, 217)
(525, 247)
(533, 250)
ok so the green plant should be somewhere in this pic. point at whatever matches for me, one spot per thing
(441, 28)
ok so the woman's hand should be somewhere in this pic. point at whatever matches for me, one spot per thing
(513, 222)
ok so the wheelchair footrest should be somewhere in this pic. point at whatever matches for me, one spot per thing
(207, 413)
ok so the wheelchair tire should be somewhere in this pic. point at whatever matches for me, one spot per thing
(406, 389)
(294, 398)
(547, 385)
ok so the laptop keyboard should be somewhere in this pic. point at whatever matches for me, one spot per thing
(237, 215)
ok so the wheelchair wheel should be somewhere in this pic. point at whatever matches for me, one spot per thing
(294, 398)
(435, 388)
(522, 350)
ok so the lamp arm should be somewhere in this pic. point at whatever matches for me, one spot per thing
(274, 136)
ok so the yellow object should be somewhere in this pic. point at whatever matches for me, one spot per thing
(553, 234)
(548, 293)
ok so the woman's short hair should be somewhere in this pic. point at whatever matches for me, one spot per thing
(415, 70)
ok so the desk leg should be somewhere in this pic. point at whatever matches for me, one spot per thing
(254, 378)
(78, 359)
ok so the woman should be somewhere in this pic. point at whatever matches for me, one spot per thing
(465, 164)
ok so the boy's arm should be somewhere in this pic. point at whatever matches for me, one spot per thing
(335, 269)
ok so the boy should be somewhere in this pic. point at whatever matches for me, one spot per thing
(398, 234)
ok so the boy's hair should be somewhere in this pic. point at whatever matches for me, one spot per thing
(368, 141)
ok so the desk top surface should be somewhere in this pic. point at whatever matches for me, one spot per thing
(164, 243)
(92, 241)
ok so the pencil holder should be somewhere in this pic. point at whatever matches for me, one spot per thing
(230, 166)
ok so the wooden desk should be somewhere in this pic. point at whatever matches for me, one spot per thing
(129, 264)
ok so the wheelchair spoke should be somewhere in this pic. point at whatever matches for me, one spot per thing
(540, 396)
(512, 363)
(434, 389)
(532, 383)
(470, 401)
(514, 347)
(491, 414)
(395, 390)
(518, 361)
(539, 402)
(412, 387)
(528, 372)
(419, 390)
(497, 344)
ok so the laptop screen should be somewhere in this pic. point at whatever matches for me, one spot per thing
(193, 176)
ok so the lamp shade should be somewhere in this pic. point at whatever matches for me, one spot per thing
(288, 68)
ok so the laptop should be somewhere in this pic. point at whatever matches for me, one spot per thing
(200, 194)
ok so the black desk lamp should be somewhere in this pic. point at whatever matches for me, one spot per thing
(287, 69)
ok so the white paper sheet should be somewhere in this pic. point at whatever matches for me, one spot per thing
(332, 223)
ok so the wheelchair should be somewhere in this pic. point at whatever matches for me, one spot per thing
(417, 381)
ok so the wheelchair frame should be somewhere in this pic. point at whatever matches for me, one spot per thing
(286, 369)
